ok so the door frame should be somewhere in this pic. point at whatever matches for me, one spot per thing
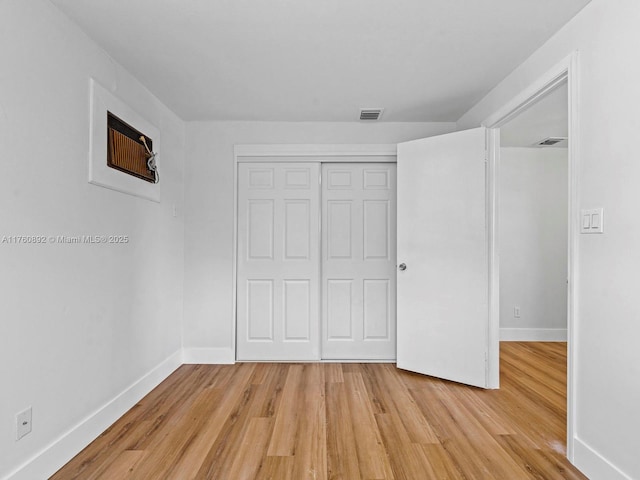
(565, 71)
(300, 153)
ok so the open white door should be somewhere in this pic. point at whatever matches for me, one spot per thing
(442, 319)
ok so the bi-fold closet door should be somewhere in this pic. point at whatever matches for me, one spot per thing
(316, 261)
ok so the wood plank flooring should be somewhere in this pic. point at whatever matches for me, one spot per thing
(341, 421)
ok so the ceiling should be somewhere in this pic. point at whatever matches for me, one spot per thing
(548, 117)
(320, 60)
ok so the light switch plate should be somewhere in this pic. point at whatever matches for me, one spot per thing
(592, 220)
(23, 423)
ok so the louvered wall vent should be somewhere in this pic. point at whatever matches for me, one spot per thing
(551, 142)
(370, 113)
(126, 150)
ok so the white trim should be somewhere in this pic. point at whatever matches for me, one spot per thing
(372, 153)
(594, 465)
(493, 192)
(356, 360)
(573, 253)
(234, 246)
(533, 334)
(566, 70)
(316, 150)
(319, 159)
(532, 94)
(50, 459)
(208, 356)
(329, 360)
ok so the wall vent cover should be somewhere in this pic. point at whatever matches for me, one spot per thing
(551, 142)
(126, 151)
(370, 113)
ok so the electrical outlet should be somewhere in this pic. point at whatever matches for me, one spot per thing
(516, 312)
(23, 423)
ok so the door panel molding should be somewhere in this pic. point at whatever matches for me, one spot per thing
(358, 250)
(279, 277)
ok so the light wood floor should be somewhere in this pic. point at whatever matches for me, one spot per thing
(341, 421)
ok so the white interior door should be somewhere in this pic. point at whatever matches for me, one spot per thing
(443, 316)
(358, 261)
(278, 261)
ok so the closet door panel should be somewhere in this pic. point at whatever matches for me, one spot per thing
(278, 261)
(358, 261)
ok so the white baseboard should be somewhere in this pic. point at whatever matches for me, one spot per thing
(594, 465)
(49, 460)
(208, 356)
(533, 334)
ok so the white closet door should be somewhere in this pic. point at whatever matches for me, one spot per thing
(358, 268)
(278, 261)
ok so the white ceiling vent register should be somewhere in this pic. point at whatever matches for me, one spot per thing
(552, 142)
(370, 113)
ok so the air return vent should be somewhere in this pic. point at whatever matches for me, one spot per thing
(128, 150)
(552, 142)
(370, 113)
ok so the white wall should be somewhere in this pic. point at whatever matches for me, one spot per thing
(533, 243)
(208, 320)
(79, 323)
(607, 370)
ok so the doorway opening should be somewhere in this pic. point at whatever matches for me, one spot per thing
(560, 82)
(533, 232)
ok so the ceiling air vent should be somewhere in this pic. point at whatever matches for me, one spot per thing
(551, 142)
(370, 113)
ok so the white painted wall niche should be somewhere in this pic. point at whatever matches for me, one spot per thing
(103, 101)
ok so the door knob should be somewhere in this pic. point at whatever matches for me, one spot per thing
(402, 267)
